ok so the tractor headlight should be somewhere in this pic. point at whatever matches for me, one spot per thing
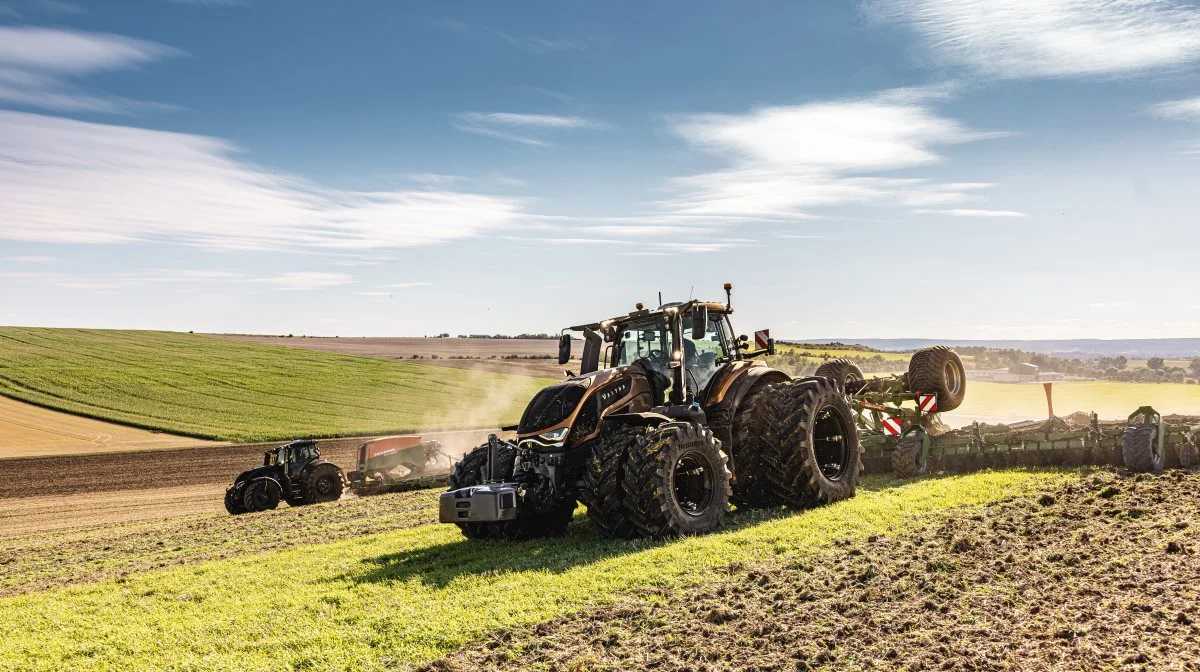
(556, 435)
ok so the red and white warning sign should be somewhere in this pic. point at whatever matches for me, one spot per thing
(761, 338)
(927, 402)
(891, 426)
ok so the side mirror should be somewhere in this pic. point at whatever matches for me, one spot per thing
(699, 322)
(564, 349)
(743, 342)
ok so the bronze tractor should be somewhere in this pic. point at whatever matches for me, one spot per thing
(682, 421)
(293, 472)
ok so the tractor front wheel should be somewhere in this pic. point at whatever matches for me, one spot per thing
(233, 503)
(262, 494)
(815, 454)
(548, 519)
(677, 481)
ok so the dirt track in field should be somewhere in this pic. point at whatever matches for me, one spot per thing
(475, 354)
(27, 430)
(1101, 573)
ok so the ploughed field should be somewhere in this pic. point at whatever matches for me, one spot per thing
(994, 570)
(210, 387)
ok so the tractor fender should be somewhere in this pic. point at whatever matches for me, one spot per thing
(750, 379)
(643, 419)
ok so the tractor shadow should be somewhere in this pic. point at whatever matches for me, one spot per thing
(439, 565)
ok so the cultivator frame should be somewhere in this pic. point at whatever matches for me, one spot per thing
(1051, 442)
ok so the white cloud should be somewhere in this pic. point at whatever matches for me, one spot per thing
(65, 181)
(31, 260)
(1052, 38)
(1187, 109)
(36, 63)
(968, 212)
(784, 161)
(523, 128)
(302, 280)
(540, 45)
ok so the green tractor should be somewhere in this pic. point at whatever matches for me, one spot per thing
(670, 420)
(293, 472)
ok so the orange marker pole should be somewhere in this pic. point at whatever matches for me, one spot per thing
(1049, 398)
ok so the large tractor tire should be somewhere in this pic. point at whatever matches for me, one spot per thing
(1140, 450)
(751, 490)
(324, 483)
(939, 371)
(677, 481)
(233, 503)
(906, 458)
(815, 454)
(603, 482)
(842, 371)
(530, 522)
(1189, 450)
(261, 494)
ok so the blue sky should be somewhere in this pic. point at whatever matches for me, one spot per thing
(889, 168)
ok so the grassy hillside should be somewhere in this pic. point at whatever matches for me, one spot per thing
(407, 596)
(209, 387)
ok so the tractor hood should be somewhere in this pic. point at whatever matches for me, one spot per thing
(557, 407)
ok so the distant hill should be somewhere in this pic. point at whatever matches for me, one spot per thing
(1134, 348)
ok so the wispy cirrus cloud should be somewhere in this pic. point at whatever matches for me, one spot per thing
(531, 43)
(302, 280)
(529, 129)
(969, 212)
(1186, 109)
(66, 181)
(1051, 38)
(38, 64)
(786, 161)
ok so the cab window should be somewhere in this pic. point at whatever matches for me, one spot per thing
(702, 356)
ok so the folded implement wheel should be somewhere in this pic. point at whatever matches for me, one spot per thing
(323, 484)
(815, 457)
(842, 371)
(1189, 451)
(603, 482)
(939, 371)
(677, 481)
(262, 494)
(1140, 450)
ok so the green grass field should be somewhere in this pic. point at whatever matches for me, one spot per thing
(408, 596)
(1112, 400)
(214, 388)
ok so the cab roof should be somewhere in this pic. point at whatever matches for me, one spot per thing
(714, 307)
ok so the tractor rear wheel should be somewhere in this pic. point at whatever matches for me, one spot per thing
(677, 481)
(815, 456)
(842, 371)
(1140, 450)
(751, 490)
(262, 494)
(603, 486)
(233, 503)
(323, 484)
(906, 458)
(938, 370)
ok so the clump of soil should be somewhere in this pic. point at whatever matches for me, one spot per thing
(1100, 573)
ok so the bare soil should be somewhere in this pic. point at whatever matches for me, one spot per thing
(27, 430)
(1101, 573)
(159, 469)
(527, 357)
